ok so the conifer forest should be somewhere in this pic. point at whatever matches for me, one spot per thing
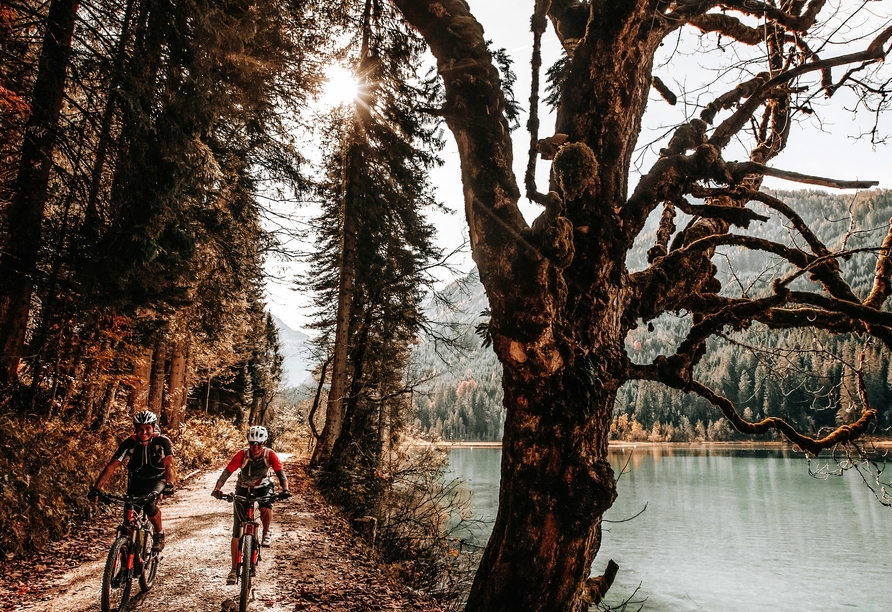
(809, 387)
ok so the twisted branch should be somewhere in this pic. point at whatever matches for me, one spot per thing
(841, 435)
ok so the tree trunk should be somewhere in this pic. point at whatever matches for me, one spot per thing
(18, 261)
(334, 413)
(157, 380)
(254, 413)
(557, 290)
(556, 484)
(108, 402)
(175, 406)
(561, 298)
(92, 217)
(138, 398)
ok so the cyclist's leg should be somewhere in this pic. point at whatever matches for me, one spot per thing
(153, 511)
(137, 486)
(266, 516)
(238, 515)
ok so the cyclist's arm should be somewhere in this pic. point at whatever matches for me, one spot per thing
(170, 470)
(276, 464)
(229, 470)
(283, 480)
(107, 473)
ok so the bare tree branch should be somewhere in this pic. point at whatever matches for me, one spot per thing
(841, 435)
(881, 284)
(739, 170)
(731, 126)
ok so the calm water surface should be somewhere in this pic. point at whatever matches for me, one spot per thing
(728, 530)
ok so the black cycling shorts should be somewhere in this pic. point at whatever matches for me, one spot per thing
(144, 487)
(238, 508)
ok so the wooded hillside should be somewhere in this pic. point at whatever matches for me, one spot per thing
(808, 388)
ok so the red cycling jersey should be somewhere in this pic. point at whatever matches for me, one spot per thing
(253, 473)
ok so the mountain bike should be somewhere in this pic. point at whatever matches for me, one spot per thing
(248, 544)
(131, 553)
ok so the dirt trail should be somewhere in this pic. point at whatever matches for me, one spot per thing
(313, 563)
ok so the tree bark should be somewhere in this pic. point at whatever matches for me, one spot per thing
(18, 260)
(335, 410)
(561, 299)
(557, 333)
(556, 484)
(138, 398)
(108, 401)
(175, 404)
(157, 379)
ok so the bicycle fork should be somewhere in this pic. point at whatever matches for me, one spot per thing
(249, 529)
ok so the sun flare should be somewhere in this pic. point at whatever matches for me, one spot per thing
(340, 87)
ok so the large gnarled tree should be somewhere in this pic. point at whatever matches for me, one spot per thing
(561, 297)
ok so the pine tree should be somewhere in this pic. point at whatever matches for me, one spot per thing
(376, 245)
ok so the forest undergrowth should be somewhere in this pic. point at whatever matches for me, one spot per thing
(422, 520)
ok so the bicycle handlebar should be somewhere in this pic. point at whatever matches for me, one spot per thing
(136, 500)
(231, 497)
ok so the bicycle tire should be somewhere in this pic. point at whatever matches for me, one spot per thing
(247, 570)
(116, 578)
(149, 569)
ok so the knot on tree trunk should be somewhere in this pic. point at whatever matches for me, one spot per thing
(597, 587)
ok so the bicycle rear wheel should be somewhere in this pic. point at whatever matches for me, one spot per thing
(247, 570)
(116, 578)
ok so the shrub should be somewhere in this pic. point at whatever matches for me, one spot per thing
(425, 525)
(203, 443)
(290, 430)
(47, 468)
(421, 518)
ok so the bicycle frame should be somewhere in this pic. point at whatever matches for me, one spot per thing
(248, 545)
(134, 522)
(248, 527)
(131, 552)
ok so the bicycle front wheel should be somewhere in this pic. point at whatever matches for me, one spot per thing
(149, 568)
(116, 578)
(247, 571)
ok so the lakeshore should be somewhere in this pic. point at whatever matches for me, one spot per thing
(694, 526)
(879, 444)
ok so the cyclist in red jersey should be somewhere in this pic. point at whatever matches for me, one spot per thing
(150, 468)
(254, 464)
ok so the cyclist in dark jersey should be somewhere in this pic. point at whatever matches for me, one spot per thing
(254, 464)
(150, 468)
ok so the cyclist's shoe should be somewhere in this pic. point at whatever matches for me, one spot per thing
(266, 538)
(158, 545)
(230, 579)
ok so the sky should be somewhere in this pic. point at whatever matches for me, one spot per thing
(827, 149)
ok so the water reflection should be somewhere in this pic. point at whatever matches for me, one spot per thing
(736, 529)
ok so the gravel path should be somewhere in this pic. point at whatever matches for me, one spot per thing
(314, 562)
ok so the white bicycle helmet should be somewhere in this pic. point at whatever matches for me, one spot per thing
(258, 434)
(144, 417)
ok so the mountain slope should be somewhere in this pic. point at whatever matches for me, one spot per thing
(806, 387)
(296, 353)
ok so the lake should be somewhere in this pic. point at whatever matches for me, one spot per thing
(727, 530)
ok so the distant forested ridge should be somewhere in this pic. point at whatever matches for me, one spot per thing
(811, 389)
